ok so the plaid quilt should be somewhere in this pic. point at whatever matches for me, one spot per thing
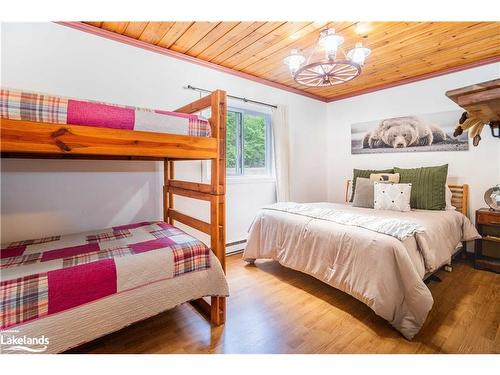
(48, 275)
(29, 106)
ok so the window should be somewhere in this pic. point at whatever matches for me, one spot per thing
(248, 143)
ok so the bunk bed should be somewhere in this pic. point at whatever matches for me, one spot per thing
(88, 132)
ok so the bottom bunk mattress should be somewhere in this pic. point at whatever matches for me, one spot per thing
(72, 289)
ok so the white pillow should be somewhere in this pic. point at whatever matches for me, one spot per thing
(448, 199)
(394, 197)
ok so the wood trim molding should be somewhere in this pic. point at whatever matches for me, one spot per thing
(180, 56)
(422, 77)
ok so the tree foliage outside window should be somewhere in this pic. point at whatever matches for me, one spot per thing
(231, 140)
(248, 143)
(254, 141)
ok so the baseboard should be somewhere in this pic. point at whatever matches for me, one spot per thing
(235, 247)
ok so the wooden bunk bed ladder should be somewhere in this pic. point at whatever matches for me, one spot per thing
(214, 193)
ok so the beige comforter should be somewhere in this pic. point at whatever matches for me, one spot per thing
(380, 270)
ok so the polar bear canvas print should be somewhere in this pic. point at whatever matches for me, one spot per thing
(427, 132)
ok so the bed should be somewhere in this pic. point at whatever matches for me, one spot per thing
(62, 282)
(379, 257)
(74, 288)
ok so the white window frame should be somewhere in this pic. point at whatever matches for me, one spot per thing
(240, 144)
(240, 176)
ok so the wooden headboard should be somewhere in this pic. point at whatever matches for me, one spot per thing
(459, 197)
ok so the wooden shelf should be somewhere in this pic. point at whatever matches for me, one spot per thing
(482, 100)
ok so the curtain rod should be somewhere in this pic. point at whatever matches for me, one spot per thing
(232, 97)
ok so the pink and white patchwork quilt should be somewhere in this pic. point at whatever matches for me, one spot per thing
(48, 275)
(29, 106)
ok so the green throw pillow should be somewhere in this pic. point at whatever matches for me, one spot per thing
(428, 186)
(365, 173)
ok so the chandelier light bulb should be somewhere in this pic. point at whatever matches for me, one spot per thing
(294, 60)
(330, 42)
(358, 54)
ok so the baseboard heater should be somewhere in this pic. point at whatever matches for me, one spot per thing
(235, 247)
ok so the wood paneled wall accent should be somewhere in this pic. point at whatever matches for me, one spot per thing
(401, 51)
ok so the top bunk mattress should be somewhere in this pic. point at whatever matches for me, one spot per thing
(31, 106)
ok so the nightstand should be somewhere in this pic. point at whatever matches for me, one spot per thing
(487, 249)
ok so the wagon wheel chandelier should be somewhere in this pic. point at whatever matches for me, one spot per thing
(327, 71)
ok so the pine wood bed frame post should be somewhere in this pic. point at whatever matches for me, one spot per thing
(215, 193)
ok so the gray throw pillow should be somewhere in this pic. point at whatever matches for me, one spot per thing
(365, 173)
(363, 195)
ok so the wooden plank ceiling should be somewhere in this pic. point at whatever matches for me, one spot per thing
(400, 50)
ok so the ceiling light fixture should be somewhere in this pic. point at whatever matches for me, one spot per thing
(327, 70)
(363, 28)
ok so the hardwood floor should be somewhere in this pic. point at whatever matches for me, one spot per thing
(273, 309)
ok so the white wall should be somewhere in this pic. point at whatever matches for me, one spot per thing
(479, 167)
(44, 197)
